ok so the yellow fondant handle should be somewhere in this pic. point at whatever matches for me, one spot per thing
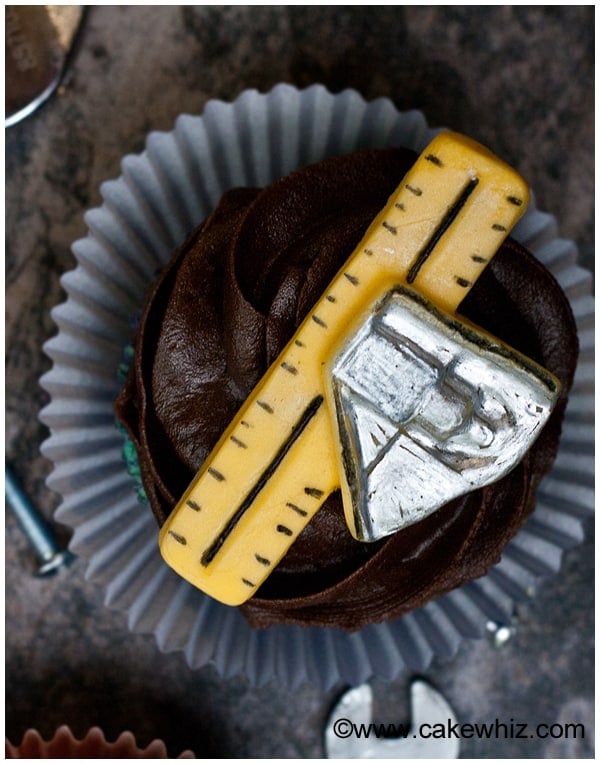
(276, 463)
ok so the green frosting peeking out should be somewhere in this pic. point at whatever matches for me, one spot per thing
(128, 451)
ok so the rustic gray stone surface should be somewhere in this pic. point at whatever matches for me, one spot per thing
(517, 78)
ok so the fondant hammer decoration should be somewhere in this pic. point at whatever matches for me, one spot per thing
(382, 391)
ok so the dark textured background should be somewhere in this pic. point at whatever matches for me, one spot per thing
(519, 79)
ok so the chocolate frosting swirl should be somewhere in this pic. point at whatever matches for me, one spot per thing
(225, 307)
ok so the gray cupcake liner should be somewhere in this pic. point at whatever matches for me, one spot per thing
(161, 194)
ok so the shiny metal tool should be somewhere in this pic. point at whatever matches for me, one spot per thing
(351, 734)
(38, 39)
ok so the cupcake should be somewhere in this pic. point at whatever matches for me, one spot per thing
(339, 621)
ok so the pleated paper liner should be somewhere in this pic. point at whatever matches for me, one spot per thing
(147, 212)
(93, 745)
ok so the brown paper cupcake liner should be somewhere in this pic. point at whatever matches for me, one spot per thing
(93, 745)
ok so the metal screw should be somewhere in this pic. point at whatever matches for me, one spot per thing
(51, 557)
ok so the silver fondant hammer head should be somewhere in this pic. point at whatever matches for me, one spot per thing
(428, 409)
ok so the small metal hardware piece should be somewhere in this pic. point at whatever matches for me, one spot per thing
(500, 633)
(50, 555)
